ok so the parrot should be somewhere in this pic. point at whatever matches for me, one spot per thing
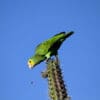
(48, 48)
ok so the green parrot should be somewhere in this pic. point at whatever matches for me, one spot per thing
(48, 48)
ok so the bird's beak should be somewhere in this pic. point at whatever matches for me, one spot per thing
(30, 65)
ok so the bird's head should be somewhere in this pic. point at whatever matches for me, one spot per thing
(33, 61)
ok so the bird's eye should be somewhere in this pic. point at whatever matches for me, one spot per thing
(30, 61)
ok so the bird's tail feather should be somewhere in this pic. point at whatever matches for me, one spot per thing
(60, 33)
(68, 34)
(65, 36)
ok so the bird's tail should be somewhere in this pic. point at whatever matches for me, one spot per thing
(68, 34)
(60, 37)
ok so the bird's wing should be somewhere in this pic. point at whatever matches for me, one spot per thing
(48, 45)
(43, 48)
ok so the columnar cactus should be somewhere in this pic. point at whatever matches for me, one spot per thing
(57, 90)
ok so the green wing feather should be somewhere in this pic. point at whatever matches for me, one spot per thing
(42, 48)
(45, 46)
(52, 44)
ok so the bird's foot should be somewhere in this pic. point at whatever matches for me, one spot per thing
(47, 60)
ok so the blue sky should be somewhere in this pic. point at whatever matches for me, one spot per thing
(25, 23)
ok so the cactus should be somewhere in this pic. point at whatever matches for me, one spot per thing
(57, 89)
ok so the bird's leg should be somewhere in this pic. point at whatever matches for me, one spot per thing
(47, 60)
(47, 57)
